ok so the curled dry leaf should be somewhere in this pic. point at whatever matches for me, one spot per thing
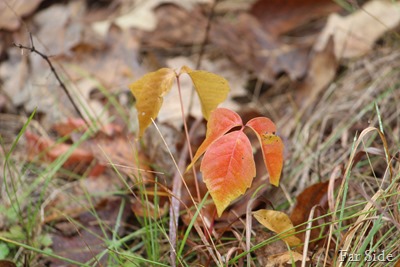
(279, 223)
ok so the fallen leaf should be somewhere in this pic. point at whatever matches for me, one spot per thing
(61, 29)
(6, 263)
(121, 151)
(69, 126)
(270, 249)
(322, 70)
(142, 15)
(108, 147)
(278, 222)
(288, 258)
(48, 150)
(112, 65)
(314, 195)
(311, 196)
(149, 91)
(12, 11)
(271, 145)
(228, 168)
(84, 240)
(278, 17)
(14, 73)
(354, 35)
(256, 50)
(184, 28)
(211, 88)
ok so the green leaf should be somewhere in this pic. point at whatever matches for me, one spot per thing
(4, 250)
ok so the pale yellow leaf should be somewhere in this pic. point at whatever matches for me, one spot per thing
(281, 259)
(211, 88)
(278, 222)
(149, 91)
(355, 34)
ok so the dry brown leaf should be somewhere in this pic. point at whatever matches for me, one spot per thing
(143, 17)
(246, 43)
(355, 34)
(314, 195)
(6, 263)
(49, 150)
(321, 72)
(183, 28)
(83, 240)
(113, 66)
(11, 12)
(278, 17)
(61, 29)
(284, 259)
(121, 150)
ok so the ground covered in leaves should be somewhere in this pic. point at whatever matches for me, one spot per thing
(79, 188)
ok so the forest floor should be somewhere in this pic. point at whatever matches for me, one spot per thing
(80, 188)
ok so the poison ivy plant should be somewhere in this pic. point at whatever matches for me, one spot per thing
(228, 166)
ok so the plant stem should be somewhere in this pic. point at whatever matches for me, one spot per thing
(188, 139)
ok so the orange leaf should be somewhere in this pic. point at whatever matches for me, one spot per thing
(220, 122)
(49, 150)
(228, 168)
(149, 91)
(271, 145)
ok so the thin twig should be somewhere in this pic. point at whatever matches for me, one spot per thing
(202, 47)
(207, 34)
(32, 49)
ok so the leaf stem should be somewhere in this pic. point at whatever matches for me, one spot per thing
(188, 138)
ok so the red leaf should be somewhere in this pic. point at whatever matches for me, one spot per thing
(221, 121)
(52, 150)
(228, 168)
(271, 145)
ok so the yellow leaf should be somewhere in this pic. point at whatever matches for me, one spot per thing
(211, 88)
(278, 222)
(149, 91)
